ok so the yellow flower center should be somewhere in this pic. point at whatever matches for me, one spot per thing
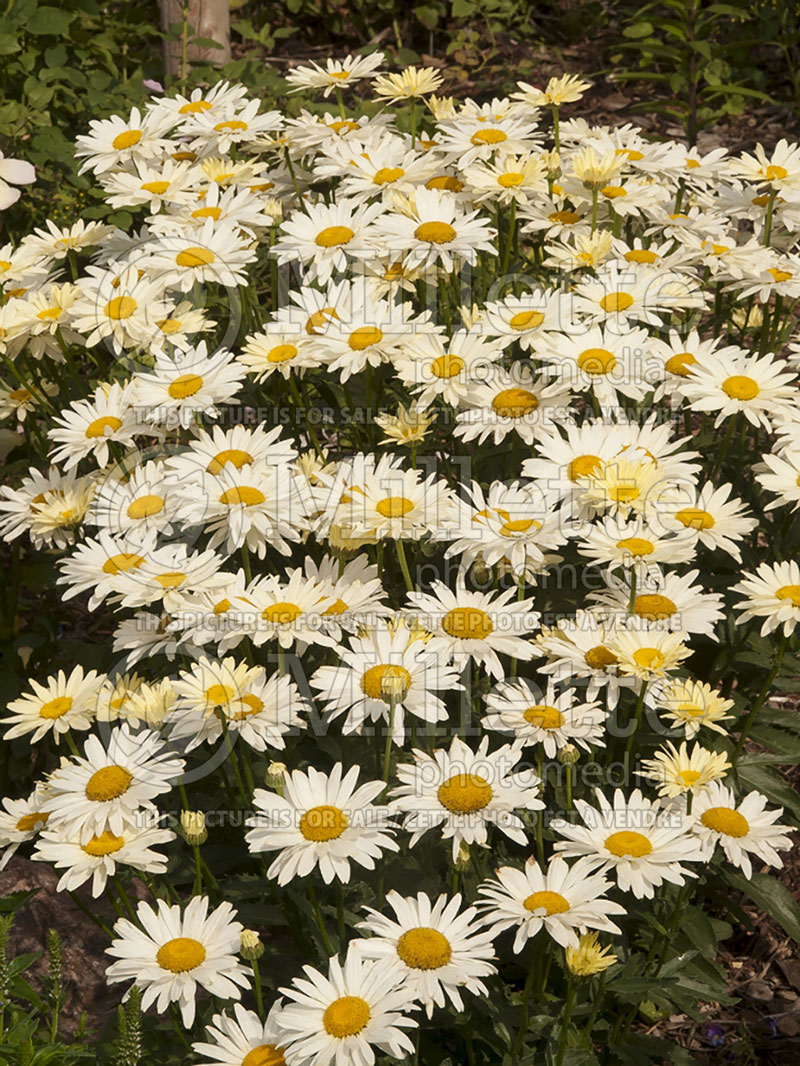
(514, 403)
(467, 623)
(789, 592)
(332, 236)
(435, 233)
(679, 364)
(281, 614)
(616, 301)
(441, 181)
(780, 275)
(180, 954)
(194, 106)
(612, 192)
(195, 257)
(489, 137)
(234, 124)
(623, 493)
(518, 525)
(597, 361)
(55, 708)
(107, 784)
(600, 658)
(252, 704)
(526, 320)
(121, 307)
(373, 680)
(363, 337)
(447, 366)
(386, 175)
(172, 579)
(776, 173)
(145, 506)
(265, 1055)
(50, 314)
(216, 695)
(465, 793)
(105, 844)
(695, 518)
(627, 842)
(207, 212)
(235, 456)
(346, 1016)
(338, 607)
(725, 820)
(511, 179)
(120, 564)
(222, 607)
(692, 710)
(566, 218)
(689, 777)
(648, 658)
(640, 255)
(653, 606)
(343, 124)
(323, 823)
(544, 717)
(28, 822)
(636, 546)
(583, 466)
(394, 506)
(741, 387)
(549, 902)
(127, 139)
(185, 386)
(243, 494)
(169, 325)
(320, 318)
(155, 187)
(424, 948)
(102, 427)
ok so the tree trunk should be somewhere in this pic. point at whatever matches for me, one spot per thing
(204, 18)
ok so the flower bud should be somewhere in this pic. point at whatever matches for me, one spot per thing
(193, 824)
(462, 862)
(276, 775)
(251, 948)
(568, 755)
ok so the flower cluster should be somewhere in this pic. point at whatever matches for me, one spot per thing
(267, 416)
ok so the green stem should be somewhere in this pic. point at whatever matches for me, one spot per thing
(312, 897)
(768, 220)
(401, 558)
(569, 1006)
(637, 718)
(748, 722)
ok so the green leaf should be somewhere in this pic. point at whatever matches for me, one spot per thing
(638, 29)
(771, 896)
(49, 20)
(772, 784)
(428, 16)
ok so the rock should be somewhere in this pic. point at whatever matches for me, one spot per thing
(83, 944)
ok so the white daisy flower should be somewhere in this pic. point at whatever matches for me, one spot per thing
(21, 820)
(563, 900)
(174, 953)
(551, 719)
(643, 842)
(62, 703)
(771, 594)
(463, 792)
(436, 950)
(321, 821)
(690, 705)
(384, 673)
(731, 380)
(108, 787)
(340, 1018)
(677, 772)
(337, 73)
(99, 857)
(187, 384)
(87, 427)
(741, 829)
(326, 237)
(476, 625)
(241, 1036)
